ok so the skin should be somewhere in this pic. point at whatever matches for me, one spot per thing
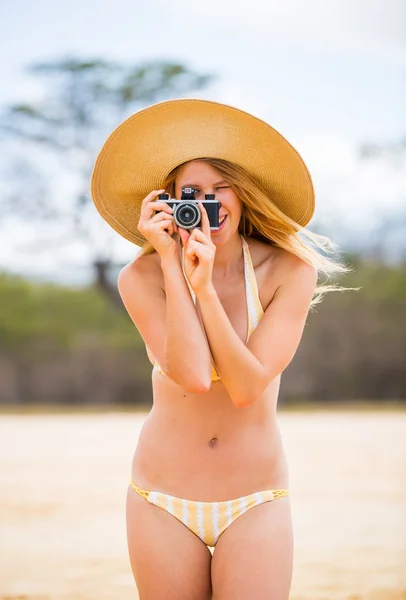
(208, 440)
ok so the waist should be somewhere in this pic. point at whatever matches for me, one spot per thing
(209, 464)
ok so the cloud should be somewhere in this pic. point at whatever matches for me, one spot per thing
(362, 26)
(356, 198)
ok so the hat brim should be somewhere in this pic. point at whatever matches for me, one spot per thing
(142, 151)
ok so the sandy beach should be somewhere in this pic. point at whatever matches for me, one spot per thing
(63, 481)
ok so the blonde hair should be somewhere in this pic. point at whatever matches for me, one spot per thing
(264, 221)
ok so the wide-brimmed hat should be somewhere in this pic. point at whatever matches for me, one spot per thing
(142, 151)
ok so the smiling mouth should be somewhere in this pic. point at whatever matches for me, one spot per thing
(222, 219)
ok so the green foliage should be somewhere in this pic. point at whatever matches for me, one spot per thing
(380, 283)
(31, 313)
(62, 345)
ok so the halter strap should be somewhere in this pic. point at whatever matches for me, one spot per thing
(254, 306)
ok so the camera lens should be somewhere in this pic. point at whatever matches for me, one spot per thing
(187, 215)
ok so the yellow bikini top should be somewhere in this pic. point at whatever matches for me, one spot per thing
(254, 306)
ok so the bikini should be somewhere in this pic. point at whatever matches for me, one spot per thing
(208, 520)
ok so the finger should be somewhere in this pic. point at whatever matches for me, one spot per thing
(170, 228)
(197, 252)
(191, 252)
(153, 207)
(191, 247)
(166, 224)
(159, 216)
(198, 249)
(184, 235)
(205, 221)
(156, 223)
(151, 196)
(160, 205)
(201, 237)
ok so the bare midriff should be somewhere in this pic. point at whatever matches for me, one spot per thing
(201, 447)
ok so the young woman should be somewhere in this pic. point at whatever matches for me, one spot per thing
(222, 313)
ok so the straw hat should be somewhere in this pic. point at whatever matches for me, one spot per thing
(138, 156)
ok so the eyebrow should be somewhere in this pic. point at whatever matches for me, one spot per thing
(197, 185)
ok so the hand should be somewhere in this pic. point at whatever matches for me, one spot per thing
(158, 228)
(199, 254)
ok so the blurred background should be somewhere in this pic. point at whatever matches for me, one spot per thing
(74, 376)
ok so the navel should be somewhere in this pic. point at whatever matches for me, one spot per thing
(212, 442)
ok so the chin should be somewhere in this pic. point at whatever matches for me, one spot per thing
(222, 237)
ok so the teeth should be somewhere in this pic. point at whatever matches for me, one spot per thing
(221, 220)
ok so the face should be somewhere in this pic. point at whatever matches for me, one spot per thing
(207, 180)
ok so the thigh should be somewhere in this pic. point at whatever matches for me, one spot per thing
(254, 556)
(168, 560)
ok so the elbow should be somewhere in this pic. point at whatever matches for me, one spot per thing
(199, 380)
(244, 401)
(198, 387)
(245, 397)
(198, 384)
(193, 382)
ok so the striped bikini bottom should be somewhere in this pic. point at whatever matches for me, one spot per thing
(208, 520)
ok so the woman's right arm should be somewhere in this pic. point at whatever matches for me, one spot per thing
(167, 318)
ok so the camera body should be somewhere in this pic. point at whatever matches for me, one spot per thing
(186, 212)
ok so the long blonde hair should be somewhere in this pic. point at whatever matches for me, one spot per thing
(264, 221)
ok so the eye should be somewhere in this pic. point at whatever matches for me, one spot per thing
(223, 187)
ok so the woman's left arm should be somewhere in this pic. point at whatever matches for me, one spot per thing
(246, 370)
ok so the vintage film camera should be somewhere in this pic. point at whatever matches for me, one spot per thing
(186, 212)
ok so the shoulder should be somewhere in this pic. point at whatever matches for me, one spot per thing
(143, 269)
(278, 268)
(278, 259)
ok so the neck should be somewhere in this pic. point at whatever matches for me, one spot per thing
(228, 261)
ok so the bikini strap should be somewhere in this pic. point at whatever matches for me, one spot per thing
(187, 280)
(254, 306)
(141, 492)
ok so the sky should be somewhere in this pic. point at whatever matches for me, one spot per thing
(330, 76)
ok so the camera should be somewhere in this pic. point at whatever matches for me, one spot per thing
(186, 212)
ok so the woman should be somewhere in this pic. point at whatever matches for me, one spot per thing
(221, 313)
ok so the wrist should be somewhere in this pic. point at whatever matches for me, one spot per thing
(170, 259)
(206, 294)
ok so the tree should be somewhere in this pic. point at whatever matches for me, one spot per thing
(57, 140)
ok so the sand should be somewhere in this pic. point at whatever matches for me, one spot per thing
(63, 481)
